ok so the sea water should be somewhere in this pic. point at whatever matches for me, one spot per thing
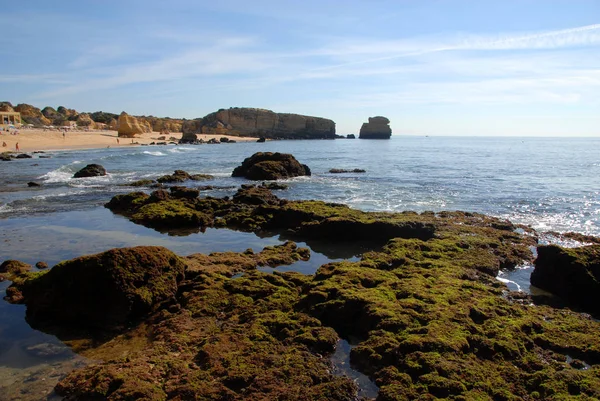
(550, 184)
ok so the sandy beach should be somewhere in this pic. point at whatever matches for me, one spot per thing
(31, 140)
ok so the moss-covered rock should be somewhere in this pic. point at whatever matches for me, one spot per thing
(229, 339)
(102, 291)
(12, 269)
(181, 176)
(572, 274)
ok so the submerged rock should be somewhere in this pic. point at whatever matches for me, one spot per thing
(181, 176)
(341, 170)
(91, 170)
(270, 166)
(572, 274)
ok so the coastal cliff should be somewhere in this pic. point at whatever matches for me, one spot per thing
(242, 121)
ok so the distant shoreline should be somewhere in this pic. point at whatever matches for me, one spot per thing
(31, 140)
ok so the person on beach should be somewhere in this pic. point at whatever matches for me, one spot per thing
(17, 146)
(4, 144)
(117, 141)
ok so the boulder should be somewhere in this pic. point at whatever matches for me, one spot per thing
(350, 136)
(184, 192)
(23, 156)
(189, 129)
(33, 184)
(11, 268)
(181, 176)
(103, 291)
(572, 274)
(243, 121)
(128, 126)
(41, 265)
(91, 170)
(270, 166)
(377, 128)
(342, 170)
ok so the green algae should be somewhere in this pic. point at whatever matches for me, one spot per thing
(429, 316)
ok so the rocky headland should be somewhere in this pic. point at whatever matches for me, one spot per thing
(242, 121)
(377, 128)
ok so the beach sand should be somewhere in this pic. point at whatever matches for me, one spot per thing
(31, 140)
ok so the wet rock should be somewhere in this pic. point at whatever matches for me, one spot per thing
(91, 170)
(572, 274)
(48, 350)
(12, 269)
(274, 186)
(33, 184)
(41, 265)
(224, 139)
(183, 192)
(23, 156)
(104, 291)
(341, 170)
(270, 166)
(6, 157)
(181, 176)
(256, 195)
(140, 183)
(261, 139)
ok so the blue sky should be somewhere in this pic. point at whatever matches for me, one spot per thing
(455, 67)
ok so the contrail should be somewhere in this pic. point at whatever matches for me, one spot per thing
(484, 44)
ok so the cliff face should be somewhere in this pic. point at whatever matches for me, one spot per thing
(377, 128)
(241, 121)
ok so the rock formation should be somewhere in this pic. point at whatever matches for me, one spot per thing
(572, 274)
(129, 126)
(6, 106)
(260, 123)
(270, 166)
(105, 290)
(32, 115)
(84, 120)
(377, 128)
(91, 170)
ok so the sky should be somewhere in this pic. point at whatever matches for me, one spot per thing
(447, 67)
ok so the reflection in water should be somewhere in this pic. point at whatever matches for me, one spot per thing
(31, 362)
(342, 367)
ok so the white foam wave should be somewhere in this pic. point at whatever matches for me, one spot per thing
(58, 195)
(154, 153)
(10, 209)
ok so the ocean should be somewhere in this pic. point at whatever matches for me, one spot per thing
(550, 184)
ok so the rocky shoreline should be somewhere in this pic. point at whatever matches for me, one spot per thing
(423, 305)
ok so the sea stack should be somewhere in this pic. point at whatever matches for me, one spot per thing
(377, 128)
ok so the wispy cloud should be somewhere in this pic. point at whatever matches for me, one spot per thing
(378, 51)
